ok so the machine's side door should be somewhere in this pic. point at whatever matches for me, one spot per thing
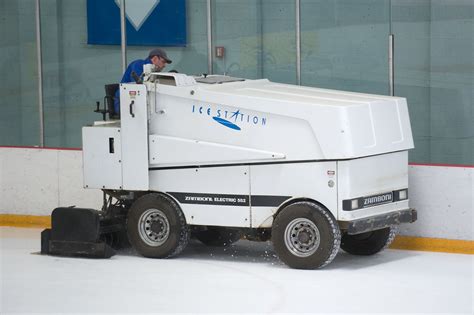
(134, 129)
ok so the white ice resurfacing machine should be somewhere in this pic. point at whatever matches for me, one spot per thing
(219, 158)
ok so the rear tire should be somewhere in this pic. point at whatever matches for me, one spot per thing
(368, 243)
(156, 226)
(305, 235)
(218, 236)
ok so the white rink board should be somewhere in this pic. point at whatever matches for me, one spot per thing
(444, 198)
(35, 181)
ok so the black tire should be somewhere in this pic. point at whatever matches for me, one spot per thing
(157, 227)
(368, 243)
(305, 235)
(218, 236)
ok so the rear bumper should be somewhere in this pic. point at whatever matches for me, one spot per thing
(379, 221)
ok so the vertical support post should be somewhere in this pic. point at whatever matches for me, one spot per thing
(260, 62)
(391, 70)
(298, 41)
(123, 33)
(260, 31)
(209, 36)
(40, 74)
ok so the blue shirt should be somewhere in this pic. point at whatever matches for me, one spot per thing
(136, 66)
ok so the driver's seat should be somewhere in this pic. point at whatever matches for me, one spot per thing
(110, 90)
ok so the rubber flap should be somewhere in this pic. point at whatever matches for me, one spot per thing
(75, 224)
(81, 249)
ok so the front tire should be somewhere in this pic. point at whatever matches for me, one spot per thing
(305, 235)
(156, 226)
(368, 243)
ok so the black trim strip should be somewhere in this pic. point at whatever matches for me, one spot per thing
(211, 199)
(228, 199)
(267, 201)
(374, 200)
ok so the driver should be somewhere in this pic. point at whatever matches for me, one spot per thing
(157, 57)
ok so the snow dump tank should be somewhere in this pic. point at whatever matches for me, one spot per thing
(252, 120)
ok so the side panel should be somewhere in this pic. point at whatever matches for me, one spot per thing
(195, 117)
(101, 157)
(296, 180)
(208, 196)
(134, 124)
(378, 127)
(372, 176)
(166, 151)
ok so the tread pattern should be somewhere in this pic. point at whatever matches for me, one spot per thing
(335, 230)
(323, 219)
(394, 229)
(185, 233)
(369, 243)
(170, 248)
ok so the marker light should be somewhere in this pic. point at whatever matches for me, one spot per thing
(403, 194)
(355, 204)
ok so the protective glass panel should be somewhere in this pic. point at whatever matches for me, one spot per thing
(279, 40)
(434, 70)
(344, 44)
(74, 73)
(237, 28)
(19, 118)
(191, 59)
(257, 37)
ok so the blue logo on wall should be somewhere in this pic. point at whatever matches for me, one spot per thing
(230, 119)
(148, 22)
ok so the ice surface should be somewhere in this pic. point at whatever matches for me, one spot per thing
(245, 278)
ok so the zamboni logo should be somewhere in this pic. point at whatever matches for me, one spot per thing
(374, 200)
(228, 118)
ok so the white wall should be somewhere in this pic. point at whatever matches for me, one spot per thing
(444, 198)
(35, 181)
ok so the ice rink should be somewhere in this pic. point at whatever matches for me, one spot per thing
(244, 278)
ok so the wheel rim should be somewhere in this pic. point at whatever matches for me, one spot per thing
(302, 237)
(154, 227)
